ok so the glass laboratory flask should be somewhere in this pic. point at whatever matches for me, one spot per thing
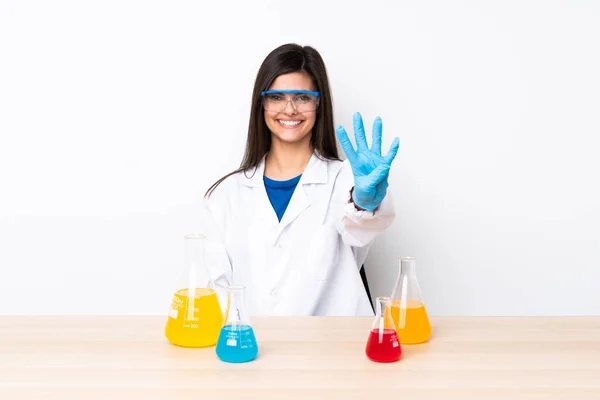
(408, 310)
(383, 344)
(237, 343)
(195, 316)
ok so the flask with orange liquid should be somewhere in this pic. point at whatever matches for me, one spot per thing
(408, 310)
(195, 317)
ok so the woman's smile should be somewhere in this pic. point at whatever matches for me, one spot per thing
(290, 123)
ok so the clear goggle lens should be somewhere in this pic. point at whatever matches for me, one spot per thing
(301, 100)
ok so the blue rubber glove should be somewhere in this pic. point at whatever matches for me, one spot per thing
(369, 167)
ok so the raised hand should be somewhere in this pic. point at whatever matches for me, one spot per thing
(369, 167)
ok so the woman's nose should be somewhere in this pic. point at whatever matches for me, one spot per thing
(290, 108)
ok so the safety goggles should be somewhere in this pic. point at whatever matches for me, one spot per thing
(302, 100)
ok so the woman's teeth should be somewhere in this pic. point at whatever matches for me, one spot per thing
(289, 123)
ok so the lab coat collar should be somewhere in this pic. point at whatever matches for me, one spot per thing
(315, 172)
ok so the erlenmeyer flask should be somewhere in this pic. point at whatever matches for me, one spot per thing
(383, 344)
(195, 316)
(408, 309)
(237, 342)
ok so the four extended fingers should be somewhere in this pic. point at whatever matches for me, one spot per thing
(361, 140)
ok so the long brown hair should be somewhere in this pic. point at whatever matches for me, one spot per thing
(286, 59)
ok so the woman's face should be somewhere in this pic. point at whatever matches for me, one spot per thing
(290, 126)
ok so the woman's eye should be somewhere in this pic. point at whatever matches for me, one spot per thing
(274, 97)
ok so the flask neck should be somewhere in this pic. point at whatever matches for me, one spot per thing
(236, 310)
(408, 266)
(195, 273)
(383, 319)
(194, 250)
(236, 295)
(382, 303)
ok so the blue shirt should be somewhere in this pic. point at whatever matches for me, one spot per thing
(280, 193)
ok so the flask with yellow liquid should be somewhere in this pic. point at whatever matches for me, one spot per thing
(408, 310)
(195, 317)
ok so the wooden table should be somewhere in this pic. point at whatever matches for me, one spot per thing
(300, 358)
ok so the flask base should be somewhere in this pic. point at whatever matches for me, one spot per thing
(237, 344)
(383, 346)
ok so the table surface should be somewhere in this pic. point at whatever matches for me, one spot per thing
(123, 357)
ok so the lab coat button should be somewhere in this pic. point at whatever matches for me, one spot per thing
(273, 293)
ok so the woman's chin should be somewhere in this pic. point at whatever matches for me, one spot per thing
(290, 137)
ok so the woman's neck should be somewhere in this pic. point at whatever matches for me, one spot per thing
(286, 160)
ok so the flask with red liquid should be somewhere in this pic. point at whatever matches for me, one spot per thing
(383, 344)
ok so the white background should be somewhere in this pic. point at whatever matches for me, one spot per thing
(115, 116)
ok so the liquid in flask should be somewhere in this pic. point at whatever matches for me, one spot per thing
(195, 316)
(408, 310)
(237, 342)
(383, 344)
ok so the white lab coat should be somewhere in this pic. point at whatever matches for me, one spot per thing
(307, 264)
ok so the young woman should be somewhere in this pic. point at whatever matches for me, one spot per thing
(296, 221)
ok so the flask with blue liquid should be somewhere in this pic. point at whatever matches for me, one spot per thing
(237, 342)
